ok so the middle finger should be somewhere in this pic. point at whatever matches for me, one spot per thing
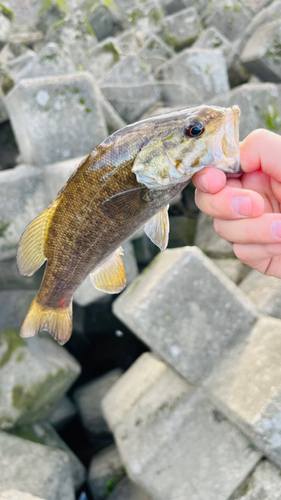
(265, 229)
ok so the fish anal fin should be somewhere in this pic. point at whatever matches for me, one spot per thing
(58, 321)
(120, 204)
(110, 277)
(158, 227)
(30, 256)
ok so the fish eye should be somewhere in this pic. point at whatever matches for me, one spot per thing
(194, 129)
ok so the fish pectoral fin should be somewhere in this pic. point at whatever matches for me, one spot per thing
(118, 205)
(30, 254)
(158, 227)
(110, 277)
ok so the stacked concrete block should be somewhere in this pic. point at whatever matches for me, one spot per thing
(203, 70)
(42, 373)
(50, 61)
(233, 268)
(155, 52)
(264, 292)
(88, 400)
(105, 472)
(182, 28)
(35, 469)
(231, 17)
(5, 29)
(130, 42)
(64, 411)
(45, 434)
(209, 241)
(173, 442)
(191, 333)
(102, 58)
(211, 38)
(172, 6)
(104, 20)
(246, 386)
(271, 12)
(126, 490)
(86, 293)
(3, 111)
(260, 105)
(130, 88)
(264, 482)
(14, 305)
(261, 55)
(17, 495)
(144, 19)
(45, 130)
(112, 118)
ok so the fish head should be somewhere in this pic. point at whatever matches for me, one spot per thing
(186, 141)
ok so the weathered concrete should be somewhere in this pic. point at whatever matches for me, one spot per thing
(155, 52)
(105, 472)
(263, 483)
(233, 268)
(264, 292)
(209, 241)
(182, 28)
(192, 333)
(17, 495)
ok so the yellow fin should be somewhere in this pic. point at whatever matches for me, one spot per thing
(158, 227)
(56, 321)
(110, 277)
(30, 254)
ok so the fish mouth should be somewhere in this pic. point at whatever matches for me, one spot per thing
(225, 144)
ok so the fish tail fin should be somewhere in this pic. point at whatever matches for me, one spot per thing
(57, 321)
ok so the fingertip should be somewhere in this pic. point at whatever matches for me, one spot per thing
(209, 180)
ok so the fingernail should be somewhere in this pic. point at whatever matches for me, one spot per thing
(203, 182)
(276, 228)
(242, 206)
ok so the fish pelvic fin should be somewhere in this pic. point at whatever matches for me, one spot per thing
(158, 227)
(31, 256)
(57, 321)
(110, 277)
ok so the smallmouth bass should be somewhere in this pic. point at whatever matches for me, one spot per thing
(127, 182)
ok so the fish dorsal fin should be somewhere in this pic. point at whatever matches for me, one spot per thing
(30, 254)
(120, 204)
(110, 277)
(158, 227)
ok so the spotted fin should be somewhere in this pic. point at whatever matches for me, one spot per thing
(57, 321)
(110, 277)
(158, 227)
(30, 256)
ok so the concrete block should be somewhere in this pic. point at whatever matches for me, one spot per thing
(14, 305)
(42, 372)
(113, 119)
(173, 442)
(231, 17)
(17, 495)
(246, 386)
(172, 6)
(264, 482)
(261, 55)
(209, 241)
(103, 57)
(204, 70)
(209, 316)
(3, 111)
(34, 468)
(126, 490)
(56, 118)
(182, 28)
(212, 38)
(233, 268)
(155, 52)
(264, 292)
(105, 472)
(88, 400)
(64, 411)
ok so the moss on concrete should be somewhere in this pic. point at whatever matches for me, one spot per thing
(11, 338)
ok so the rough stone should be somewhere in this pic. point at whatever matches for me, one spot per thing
(233, 268)
(20, 62)
(64, 411)
(203, 70)
(126, 490)
(231, 17)
(42, 373)
(271, 13)
(130, 88)
(88, 400)
(173, 442)
(3, 111)
(246, 386)
(17, 495)
(45, 434)
(24, 193)
(45, 130)
(182, 28)
(172, 6)
(103, 57)
(180, 94)
(264, 292)
(14, 305)
(208, 240)
(130, 41)
(208, 317)
(113, 119)
(34, 468)
(211, 38)
(5, 29)
(50, 61)
(105, 21)
(11, 279)
(144, 18)
(263, 483)
(105, 472)
(75, 37)
(260, 106)
(86, 293)
(261, 55)
(155, 52)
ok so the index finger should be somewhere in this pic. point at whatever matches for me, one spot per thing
(262, 150)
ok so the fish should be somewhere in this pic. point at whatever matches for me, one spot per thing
(126, 183)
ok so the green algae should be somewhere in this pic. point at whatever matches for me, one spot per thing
(6, 12)
(272, 118)
(13, 341)
(3, 228)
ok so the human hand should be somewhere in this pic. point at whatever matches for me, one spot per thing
(247, 210)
